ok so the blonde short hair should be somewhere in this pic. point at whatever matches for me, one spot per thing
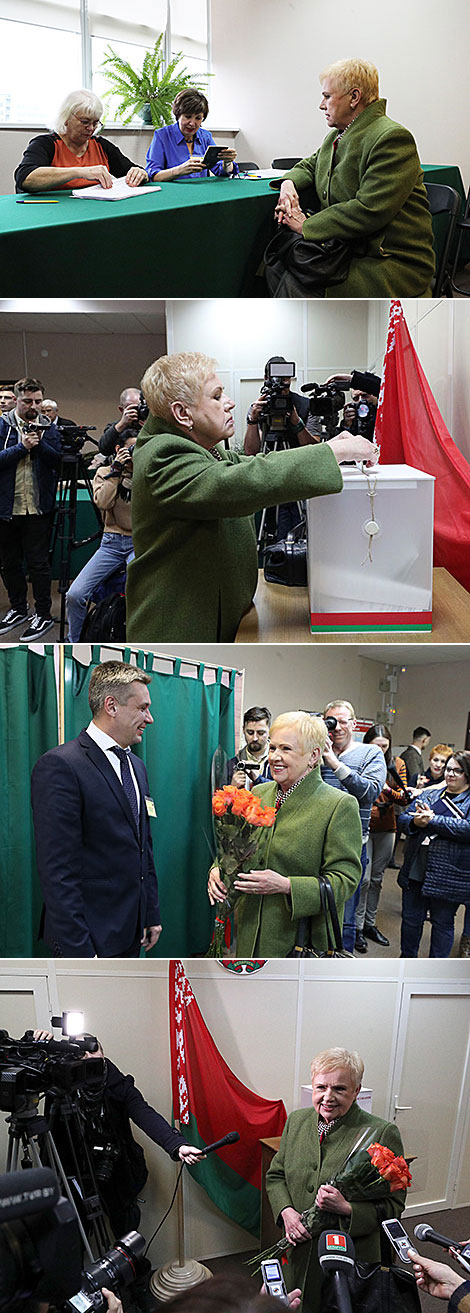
(180, 377)
(311, 730)
(349, 73)
(329, 1059)
(78, 102)
(113, 679)
(340, 702)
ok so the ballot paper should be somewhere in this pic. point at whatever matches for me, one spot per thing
(120, 191)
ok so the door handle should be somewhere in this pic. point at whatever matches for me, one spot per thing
(403, 1107)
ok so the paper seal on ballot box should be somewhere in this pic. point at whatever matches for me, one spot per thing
(370, 554)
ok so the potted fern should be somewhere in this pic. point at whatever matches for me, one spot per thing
(149, 93)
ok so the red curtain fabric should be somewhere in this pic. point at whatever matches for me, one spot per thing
(410, 430)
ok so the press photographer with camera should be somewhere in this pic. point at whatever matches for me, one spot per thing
(112, 490)
(30, 452)
(252, 761)
(134, 412)
(195, 570)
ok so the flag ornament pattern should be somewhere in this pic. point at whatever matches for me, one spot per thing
(410, 430)
(209, 1100)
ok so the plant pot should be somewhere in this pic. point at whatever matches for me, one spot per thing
(145, 114)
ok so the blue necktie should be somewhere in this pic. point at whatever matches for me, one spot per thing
(127, 782)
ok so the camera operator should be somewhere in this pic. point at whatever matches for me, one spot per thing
(251, 766)
(118, 1159)
(299, 429)
(30, 451)
(112, 490)
(365, 388)
(134, 411)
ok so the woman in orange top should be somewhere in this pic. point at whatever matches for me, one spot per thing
(72, 156)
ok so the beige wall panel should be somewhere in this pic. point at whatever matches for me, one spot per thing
(365, 1024)
(435, 698)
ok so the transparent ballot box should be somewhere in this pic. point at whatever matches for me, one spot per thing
(370, 552)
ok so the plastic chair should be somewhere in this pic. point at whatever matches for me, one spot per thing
(286, 162)
(462, 227)
(443, 201)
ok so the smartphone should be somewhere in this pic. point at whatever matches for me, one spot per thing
(274, 1283)
(398, 1238)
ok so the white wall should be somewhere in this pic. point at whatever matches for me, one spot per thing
(267, 1027)
(437, 696)
(267, 58)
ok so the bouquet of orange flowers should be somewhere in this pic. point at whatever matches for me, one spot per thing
(368, 1174)
(238, 817)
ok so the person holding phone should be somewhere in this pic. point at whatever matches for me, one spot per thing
(178, 150)
(436, 870)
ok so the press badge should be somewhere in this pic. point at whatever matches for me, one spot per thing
(151, 808)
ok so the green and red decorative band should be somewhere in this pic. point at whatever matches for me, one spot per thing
(380, 621)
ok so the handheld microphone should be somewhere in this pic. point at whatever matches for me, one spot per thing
(336, 1255)
(425, 1232)
(231, 1138)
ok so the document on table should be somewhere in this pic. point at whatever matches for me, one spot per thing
(120, 191)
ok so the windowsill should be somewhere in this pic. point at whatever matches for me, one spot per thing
(108, 127)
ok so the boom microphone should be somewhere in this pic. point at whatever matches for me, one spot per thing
(231, 1138)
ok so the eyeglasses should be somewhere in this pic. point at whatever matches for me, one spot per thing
(453, 770)
(87, 123)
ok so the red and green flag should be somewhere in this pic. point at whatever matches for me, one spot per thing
(208, 1101)
(410, 430)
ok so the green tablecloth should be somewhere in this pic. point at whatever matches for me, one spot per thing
(203, 238)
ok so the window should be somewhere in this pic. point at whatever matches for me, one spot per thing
(49, 47)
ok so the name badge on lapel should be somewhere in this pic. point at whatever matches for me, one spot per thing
(151, 808)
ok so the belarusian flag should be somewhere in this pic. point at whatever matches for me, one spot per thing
(410, 430)
(209, 1101)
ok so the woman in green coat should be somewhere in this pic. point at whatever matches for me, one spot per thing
(317, 830)
(367, 184)
(196, 566)
(315, 1144)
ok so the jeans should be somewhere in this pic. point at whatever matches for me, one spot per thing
(114, 551)
(379, 856)
(349, 922)
(414, 908)
(26, 538)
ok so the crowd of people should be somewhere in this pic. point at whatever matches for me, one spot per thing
(363, 188)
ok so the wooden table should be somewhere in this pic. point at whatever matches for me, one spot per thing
(281, 615)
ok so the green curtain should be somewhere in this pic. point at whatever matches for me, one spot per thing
(28, 717)
(191, 719)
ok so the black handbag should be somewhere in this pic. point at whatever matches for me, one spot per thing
(295, 266)
(303, 943)
(285, 562)
(383, 1287)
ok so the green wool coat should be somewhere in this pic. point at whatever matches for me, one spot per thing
(298, 1170)
(317, 830)
(195, 570)
(375, 190)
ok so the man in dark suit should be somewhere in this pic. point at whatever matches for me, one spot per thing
(91, 806)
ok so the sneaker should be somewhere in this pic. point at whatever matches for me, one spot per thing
(39, 626)
(12, 619)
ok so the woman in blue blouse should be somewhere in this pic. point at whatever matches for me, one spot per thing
(177, 151)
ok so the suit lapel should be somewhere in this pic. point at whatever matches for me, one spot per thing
(99, 760)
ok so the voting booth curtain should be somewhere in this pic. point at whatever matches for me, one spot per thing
(28, 716)
(192, 718)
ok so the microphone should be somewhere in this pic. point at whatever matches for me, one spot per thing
(231, 1138)
(425, 1232)
(336, 1255)
(23, 1193)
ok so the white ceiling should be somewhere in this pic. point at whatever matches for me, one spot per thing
(415, 654)
(96, 317)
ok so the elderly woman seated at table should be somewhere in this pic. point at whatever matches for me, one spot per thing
(366, 188)
(196, 564)
(314, 1147)
(72, 155)
(177, 150)
(317, 830)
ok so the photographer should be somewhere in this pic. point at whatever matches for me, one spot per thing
(295, 427)
(252, 764)
(112, 488)
(30, 452)
(133, 415)
(362, 408)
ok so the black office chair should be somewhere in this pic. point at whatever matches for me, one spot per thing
(443, 201)
(247, 166)
(462, 227)
(286, 163)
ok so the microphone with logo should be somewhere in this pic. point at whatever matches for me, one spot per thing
(461, 1252)
(336, 1256)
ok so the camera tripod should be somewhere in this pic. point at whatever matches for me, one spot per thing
(273, 440)
(31, 1143)
(72, 470)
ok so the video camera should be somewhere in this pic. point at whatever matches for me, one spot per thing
(29, 1068)
(74, 436)
(40, 1250)
(278, 403)
(326, 401)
